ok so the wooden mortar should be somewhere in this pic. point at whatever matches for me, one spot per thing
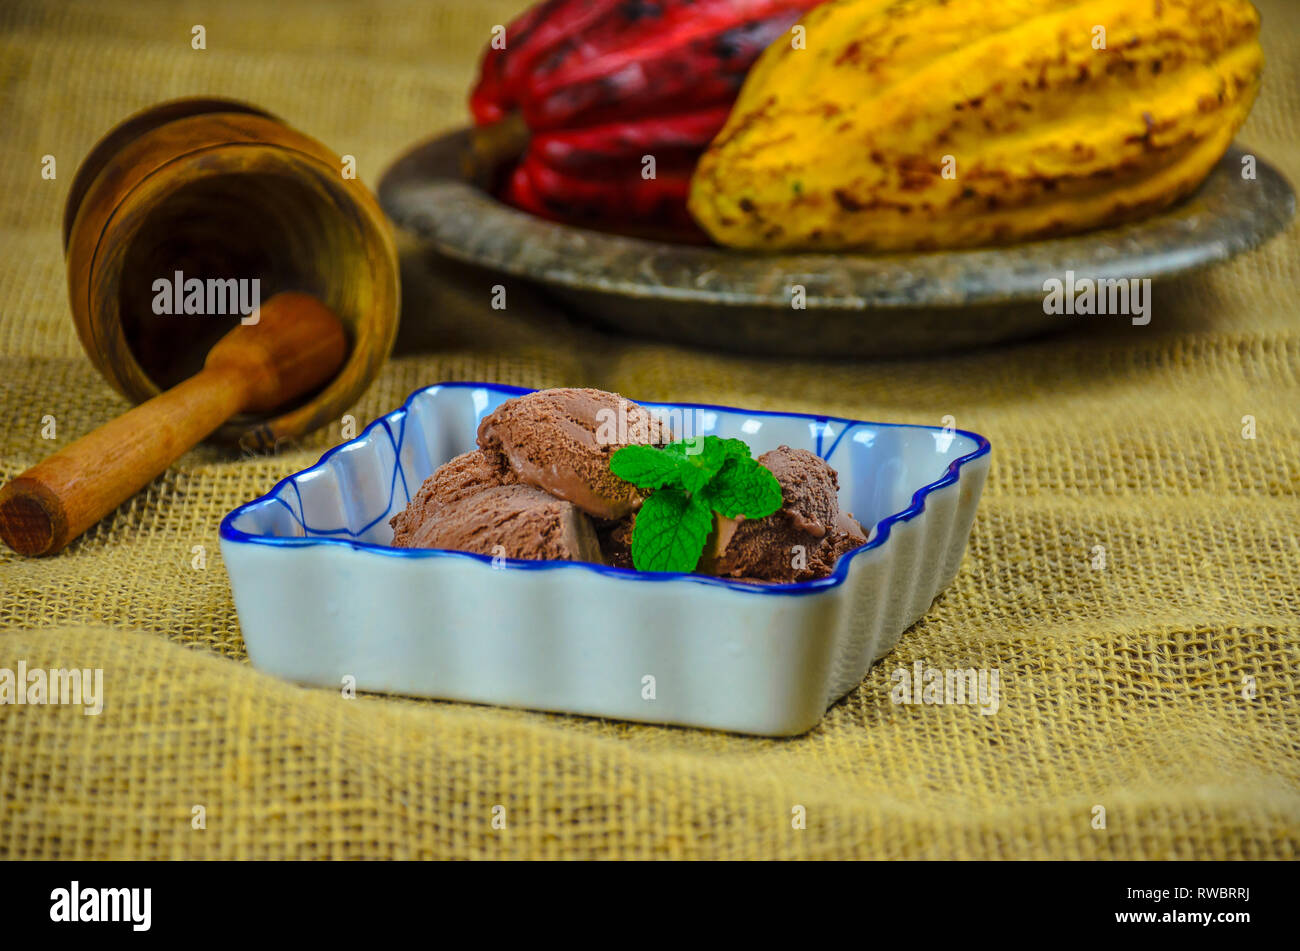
(219, 190)
(221, 193)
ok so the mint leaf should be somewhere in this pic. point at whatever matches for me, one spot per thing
(744, 487)
(704, 456)
(670, 531)
(647, 467)
(735, 449)
(690, 481)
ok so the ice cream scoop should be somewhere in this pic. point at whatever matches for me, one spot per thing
(799, 541)
(560, 441)
(466, 475)
(509, 521)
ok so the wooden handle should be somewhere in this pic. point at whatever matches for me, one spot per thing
(296, 345)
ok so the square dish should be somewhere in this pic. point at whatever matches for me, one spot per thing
(322, 595)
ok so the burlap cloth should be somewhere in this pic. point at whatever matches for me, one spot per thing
(1121, 687)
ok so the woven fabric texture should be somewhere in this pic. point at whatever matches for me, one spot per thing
(1164, 687)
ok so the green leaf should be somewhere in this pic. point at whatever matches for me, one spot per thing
(670, 531)
(691, 479)
(647, 467)
(744, 487)
(736, 449)
(704, 456)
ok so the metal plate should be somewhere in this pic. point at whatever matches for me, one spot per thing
(856, 304)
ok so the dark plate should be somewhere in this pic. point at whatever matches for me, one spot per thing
(857, 304)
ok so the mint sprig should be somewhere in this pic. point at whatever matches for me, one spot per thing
(670, 531)
(689, 481)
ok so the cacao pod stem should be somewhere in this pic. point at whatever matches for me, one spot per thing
(493, 146)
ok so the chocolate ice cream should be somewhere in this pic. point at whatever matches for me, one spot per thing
(512, 521)
(466, 475)
(810, 489)
(801, 540)
(539, 487)
(561, 440)
(845, 536)
(616, 542)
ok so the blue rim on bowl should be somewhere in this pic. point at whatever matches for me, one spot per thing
(877, 534)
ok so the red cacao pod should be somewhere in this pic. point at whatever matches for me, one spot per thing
(601, 84)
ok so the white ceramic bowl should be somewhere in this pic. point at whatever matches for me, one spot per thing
(322, 596)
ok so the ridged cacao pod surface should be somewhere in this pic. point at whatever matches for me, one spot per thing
(601, 84)
(923, 124)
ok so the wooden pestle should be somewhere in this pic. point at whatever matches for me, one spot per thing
(297, 345)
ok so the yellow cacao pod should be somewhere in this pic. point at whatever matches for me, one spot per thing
(925, 124)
